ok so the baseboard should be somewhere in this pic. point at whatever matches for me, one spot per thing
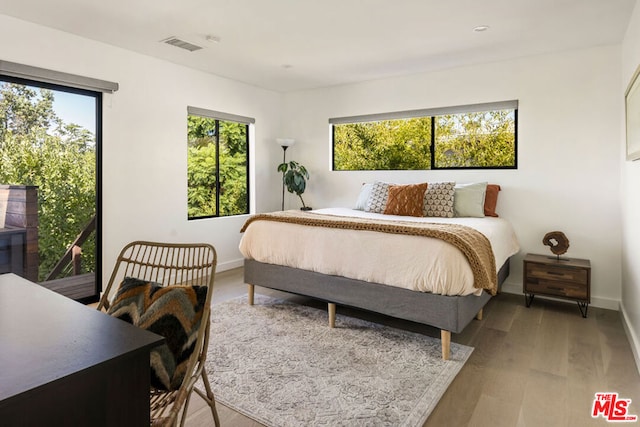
(230, 265)
(634, 342)
(609, 304)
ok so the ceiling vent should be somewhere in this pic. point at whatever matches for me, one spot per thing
(174, 41)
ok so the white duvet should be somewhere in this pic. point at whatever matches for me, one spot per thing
(412, 262)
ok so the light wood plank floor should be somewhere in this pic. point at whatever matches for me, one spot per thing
(537, 366)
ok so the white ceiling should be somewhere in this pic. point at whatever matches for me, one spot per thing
(288, 45)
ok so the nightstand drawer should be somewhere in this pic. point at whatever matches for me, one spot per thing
(558, 288)
(568, 278)
(550, 272)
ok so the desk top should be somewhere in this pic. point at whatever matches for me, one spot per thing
(45, 336)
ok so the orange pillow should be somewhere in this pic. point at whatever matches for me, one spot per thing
(406, 199)
(491, 199)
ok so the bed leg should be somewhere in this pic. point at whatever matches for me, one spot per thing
(332, 315)
(479, 315)
(445, 338)
(250, 292)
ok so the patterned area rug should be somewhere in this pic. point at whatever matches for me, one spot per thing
(280, 364)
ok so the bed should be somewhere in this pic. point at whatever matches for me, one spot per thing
(384, 266)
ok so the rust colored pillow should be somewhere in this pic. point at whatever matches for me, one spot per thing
(491, 199)
(406, 199)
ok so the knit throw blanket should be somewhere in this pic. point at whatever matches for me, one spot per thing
(473, 244)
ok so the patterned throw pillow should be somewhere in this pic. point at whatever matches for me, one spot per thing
(377, 200)
(439, 198)
(405, 199)
(175, 312)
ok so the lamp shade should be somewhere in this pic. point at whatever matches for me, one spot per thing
(285, 142)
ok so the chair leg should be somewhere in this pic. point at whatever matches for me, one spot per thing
(210, 399)
(184, 410)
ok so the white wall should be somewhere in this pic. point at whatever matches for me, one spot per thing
(145, 153)
(630, 304)
(568, 154)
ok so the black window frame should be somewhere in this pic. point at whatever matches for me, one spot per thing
(432, 114)
(219, 116)
(97, 95)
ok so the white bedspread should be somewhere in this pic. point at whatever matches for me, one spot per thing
(411, 262)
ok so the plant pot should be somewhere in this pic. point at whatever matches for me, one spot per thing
(306, 208)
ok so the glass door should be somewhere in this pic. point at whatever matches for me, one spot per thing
(50, 138)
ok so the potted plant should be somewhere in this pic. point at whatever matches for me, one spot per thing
(294, 177)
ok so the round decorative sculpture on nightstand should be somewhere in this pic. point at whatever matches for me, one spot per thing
(557, 241)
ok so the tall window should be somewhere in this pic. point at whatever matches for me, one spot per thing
(482, 136)
(217, 164)
(50, 138)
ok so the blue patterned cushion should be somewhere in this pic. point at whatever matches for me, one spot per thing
(175, 312)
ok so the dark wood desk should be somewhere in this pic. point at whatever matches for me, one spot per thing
(65, 364)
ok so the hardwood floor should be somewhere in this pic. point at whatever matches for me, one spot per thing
(531, 366)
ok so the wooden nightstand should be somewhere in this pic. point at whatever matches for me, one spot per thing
(568, 278)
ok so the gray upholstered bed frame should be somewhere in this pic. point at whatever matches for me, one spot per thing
(448, 313)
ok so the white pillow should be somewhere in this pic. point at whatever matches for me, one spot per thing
(469, 199)
(365, 191)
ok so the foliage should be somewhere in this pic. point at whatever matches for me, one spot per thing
(294, 176)
(383, 145)
(38, 148)
(202, 163)
(483, 139)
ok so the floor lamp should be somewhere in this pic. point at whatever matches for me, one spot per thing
(284, 143)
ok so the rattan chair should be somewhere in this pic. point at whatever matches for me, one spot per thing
(172, 264)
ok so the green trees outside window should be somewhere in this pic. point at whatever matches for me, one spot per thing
(383, 145)
(217, 167)
(37, 147)
(475, 140)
